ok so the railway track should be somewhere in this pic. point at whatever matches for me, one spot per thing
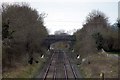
(72, 68)
(48, 71)
(59, 67)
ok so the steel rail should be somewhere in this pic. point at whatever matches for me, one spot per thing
(66, 76)
(46, 72)
(74, 73)
(54, 76)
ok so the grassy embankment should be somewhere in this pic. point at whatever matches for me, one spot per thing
(28, 71)
(96, 64)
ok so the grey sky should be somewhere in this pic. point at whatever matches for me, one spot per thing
(71, 14)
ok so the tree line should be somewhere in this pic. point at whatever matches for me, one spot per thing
(97, 34)
(23, 32)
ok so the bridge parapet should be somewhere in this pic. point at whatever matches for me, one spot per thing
(55, 38)
(61, 37)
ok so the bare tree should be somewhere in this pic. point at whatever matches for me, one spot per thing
(29, 31)
(96, 22)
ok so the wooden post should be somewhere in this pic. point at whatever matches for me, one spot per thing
(102, 75)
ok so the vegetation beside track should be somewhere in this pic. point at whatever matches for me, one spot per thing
(28, 71)
(94, 65)
(23, 34)
(98, 36)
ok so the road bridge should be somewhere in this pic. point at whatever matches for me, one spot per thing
(56, 38)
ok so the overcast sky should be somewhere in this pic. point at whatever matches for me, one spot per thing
(69, 15)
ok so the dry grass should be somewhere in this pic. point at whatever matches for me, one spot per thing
(27, 71)
(100, 63)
